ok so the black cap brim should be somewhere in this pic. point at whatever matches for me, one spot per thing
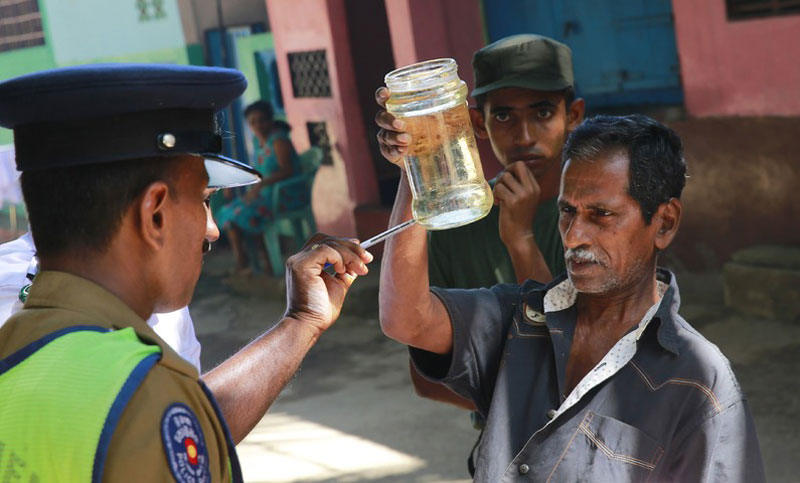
(224, 172)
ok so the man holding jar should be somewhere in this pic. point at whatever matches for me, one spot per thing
(593, 376)
(526, 107)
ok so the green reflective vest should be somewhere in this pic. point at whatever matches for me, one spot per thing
(57, 419)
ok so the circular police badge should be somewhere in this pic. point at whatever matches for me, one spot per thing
(184, 445)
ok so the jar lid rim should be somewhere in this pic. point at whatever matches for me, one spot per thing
(422, 75)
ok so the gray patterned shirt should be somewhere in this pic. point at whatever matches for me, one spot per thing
(663, 405)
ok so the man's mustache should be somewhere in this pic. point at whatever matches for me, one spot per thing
(582, 255)
(206, 246)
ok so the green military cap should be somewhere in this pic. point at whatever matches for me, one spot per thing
(526, 60)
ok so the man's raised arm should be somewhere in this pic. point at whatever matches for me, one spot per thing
(409, 312)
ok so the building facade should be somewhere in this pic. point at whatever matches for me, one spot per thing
(713, 70)
(44, 34)
(683, 61)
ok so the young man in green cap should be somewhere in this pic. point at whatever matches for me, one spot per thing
(526, 107)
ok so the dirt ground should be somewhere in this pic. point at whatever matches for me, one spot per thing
(350, 414)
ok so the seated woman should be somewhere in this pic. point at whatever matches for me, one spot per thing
(276, 160)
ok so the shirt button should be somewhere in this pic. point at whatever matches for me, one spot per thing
(551, 414)
(523, 468)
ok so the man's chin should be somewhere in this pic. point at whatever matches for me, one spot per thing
(587, 285)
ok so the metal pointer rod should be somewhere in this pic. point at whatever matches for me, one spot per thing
(379, 238)
(382, 236)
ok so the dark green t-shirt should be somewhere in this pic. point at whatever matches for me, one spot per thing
(473, 255)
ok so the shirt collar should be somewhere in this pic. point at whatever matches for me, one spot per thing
(52, 289)
(667, 313)
(560, 294)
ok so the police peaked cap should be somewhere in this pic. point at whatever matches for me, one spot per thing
(113, 112)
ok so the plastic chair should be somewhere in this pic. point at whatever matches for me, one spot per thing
(296, 224)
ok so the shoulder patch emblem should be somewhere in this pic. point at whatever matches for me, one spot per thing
(532, 316)
(184, 445)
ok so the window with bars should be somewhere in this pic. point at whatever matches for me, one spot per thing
(318, 136)
(309, 72)
(746, 9)
(150, 10)
(20, 24)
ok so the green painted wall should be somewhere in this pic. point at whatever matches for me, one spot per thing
(23, 61)
(246, 47)
(6, 136)
(85, 31)
(177, 55)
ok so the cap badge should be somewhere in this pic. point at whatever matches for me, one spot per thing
(166, 141)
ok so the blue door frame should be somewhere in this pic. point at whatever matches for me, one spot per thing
(268, 80)
(233, 146)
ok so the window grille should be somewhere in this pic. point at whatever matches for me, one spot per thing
(318, 136)
(20, 24)
(150, 10)
(309, 71)
(746, 9)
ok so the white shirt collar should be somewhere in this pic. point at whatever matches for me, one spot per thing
(564, 295)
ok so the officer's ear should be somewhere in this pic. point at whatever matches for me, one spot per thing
(151, 208)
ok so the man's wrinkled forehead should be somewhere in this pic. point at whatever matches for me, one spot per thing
(608, 171)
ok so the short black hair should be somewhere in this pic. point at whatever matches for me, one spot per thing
(80, 208)
(657, 168)
(262, 106)
(568, 94)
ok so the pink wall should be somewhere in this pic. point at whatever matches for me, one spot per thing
(301, 25)
(741, 68)
(426, 29)
(742, 189)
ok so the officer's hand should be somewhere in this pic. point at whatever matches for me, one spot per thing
(313, 295)
(392, 138)
(517, 192)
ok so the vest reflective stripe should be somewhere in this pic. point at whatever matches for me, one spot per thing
(58, 421)
(234, 468)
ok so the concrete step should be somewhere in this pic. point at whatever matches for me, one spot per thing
(764, 281)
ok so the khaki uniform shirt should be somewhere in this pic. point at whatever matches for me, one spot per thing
(136, 453)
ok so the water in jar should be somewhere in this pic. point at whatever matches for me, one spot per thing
(444, 169)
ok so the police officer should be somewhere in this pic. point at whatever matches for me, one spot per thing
(118, 163)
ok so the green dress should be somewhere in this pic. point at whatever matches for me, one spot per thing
(253, 216)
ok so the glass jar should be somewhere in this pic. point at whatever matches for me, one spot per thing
(444, 170)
